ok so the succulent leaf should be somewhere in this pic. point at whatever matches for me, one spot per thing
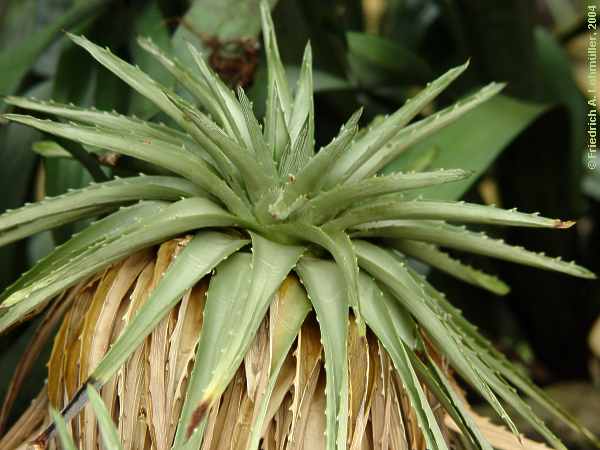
(328, 298)
(375, 158)
(330, 203)
(110, 193)
(235, 180)
(176, 159)
(393, 273)
(63, 434)
(278, 92)
(193, 84)
(287, 313)
(458, 238)
(110, 435)
(437, 259)
(380, 134)
(384, 210)
(179, 217)
(238, 298)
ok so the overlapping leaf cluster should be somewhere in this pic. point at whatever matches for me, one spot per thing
(327, 216)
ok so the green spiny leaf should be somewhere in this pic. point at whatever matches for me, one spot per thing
(131, 75)
(338, 245)
(110, 120)
(102, 231)
(179, 217)
(331, 306)
(381, 133)
(477, 362)
(293, 155)
(264, 155)
(110, 435)
(201, 255)
(384, 209)
(460, 239)
(393, 273)
(232, 111)
(303, 111)
(498, 362)
(330, 203)
(373, 159)
(438, 382)
(291, 308)
(110, 193)
(311, 176)
(238, 298)
(49, 222)
(166, 155)
(278, 95)
(192, 83)
(218, 143)
(434, 257)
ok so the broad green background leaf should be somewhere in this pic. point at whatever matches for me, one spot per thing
(375, 59)
(17, 160)
(559, 88)
(150, 24)
(16, 61)
(471, 143)
(74, 81)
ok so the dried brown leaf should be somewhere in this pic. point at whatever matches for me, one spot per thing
(308, 367)
(358, 379)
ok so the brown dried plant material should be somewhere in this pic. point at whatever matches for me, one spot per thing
(498, 436)
(358, 375)
(308, 368)
(145, 397)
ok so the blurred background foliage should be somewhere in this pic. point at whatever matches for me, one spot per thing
(526, 147)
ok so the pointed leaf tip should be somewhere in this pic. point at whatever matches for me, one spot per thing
(564, 224)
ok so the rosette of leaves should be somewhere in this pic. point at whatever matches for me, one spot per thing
(279, 310)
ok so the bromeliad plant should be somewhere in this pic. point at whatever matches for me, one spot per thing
(258, 230)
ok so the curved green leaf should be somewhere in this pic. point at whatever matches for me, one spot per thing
(76, 203)
(379, 135)
(110, 435)
(330, 203)
(179, 217)
(111, 120)
(470, 143)
(237, 300)
(311, 176)
(376, 158)
(102, 231)
(434, 257)
(161, 153)
(448, 211)
(201, 255)
(289, 309)
(63, 434)
(327, 295)
(384, 267)
(460, 239)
